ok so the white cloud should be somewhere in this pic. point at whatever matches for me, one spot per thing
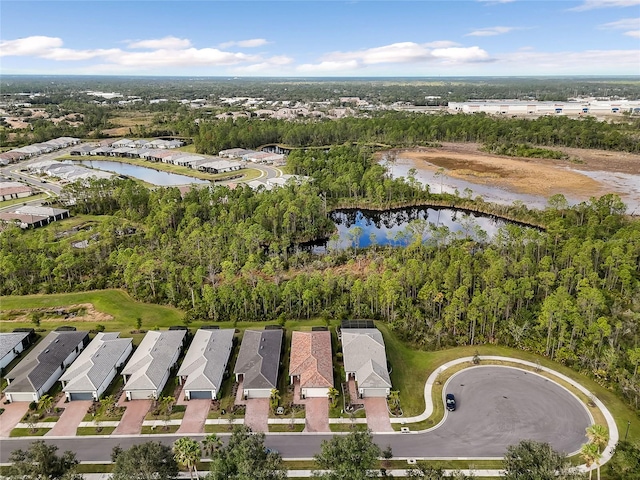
(30, 46)
(252, 43)
(159, 43)
(631, 25)
(461, 55)
(441, 44)
(490, 31)
(409, 53)
(270, 65)
(593, 4)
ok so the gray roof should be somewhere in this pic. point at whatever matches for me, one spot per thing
(8, 341)
(259, 358)
(364, 353)
(153, 358)
(205, 362)
(95, 363)
(43, 360)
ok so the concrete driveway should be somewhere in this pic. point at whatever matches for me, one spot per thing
(131, 422)
(317, 415)
(256, 416)
(13, 413)
(195, 416)
(377, 414)
(68, 422)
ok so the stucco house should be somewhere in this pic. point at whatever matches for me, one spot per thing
(205, 363)
(11, 345)
(43, 365)
(91, 373)
(311, 363)
(258, 362)
(148, 370)
(365, 360)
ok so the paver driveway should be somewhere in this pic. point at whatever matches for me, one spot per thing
(256, 416)
(68, 422)
(317, 415)
(195, 416)
(131, 422)
(377, 414)
(13, 413)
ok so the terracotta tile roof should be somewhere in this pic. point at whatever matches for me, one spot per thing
(311, 359)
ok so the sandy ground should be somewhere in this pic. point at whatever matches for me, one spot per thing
(24, 315)
(585, 174)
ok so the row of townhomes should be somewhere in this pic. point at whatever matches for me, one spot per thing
(86, 369)
(22, 153)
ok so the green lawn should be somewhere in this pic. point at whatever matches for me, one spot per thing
(116, 303)
(160, 430)
(297, 427)
(81, 431)
(27, 432)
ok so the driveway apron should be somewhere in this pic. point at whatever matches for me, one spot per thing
(317, 415)
(68, 422)
(195, 416)
(256, 415)
(377, 414)
(13, 413)
(131, 422)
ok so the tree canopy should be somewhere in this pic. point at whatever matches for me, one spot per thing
(245, 457)
(41, 461)
(530, 460)
(145, 461)
(348, 457)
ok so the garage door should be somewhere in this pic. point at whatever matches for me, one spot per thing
(22, 397)
(81, 396)
(141, 394)
(197, 395)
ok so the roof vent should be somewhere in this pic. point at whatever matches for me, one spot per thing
(261, 347)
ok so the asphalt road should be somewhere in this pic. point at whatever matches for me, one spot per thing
(497, 407)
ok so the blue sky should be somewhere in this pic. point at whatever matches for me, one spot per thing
(321, 38)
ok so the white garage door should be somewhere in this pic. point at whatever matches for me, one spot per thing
(22, 397)
(374, 392)
(316, 392)
(141, 394)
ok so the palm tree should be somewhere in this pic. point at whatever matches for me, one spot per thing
(333, 396)
(187, 452)
(210, 444)
(598, 435)
(274, 400)
(46, 403)
(589, 452)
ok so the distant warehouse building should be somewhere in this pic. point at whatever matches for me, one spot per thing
(532, 107)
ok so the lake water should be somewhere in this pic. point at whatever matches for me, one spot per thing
(149, 175)
(364, 228)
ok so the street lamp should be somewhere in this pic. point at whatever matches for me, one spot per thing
(627, 432)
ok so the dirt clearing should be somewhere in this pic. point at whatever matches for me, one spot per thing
(585, 174)
(80, 312)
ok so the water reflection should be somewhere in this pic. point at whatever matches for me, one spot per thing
(149, 175)
(364, 228)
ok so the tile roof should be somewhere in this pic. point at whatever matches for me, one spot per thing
(259, 358)
(364, 353)
(31, 374)
(95, 363)
(149, 363)
(311, 359)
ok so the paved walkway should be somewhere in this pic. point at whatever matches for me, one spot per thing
(195, 416)
(13, 413)
(256, 416)
(377, 414)
(131, 421)
(70, 419)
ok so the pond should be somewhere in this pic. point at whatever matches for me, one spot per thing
(400, 227)
(149, 175)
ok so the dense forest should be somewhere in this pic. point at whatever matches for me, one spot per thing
(570, 291)
(382, 90)
(406, 129)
